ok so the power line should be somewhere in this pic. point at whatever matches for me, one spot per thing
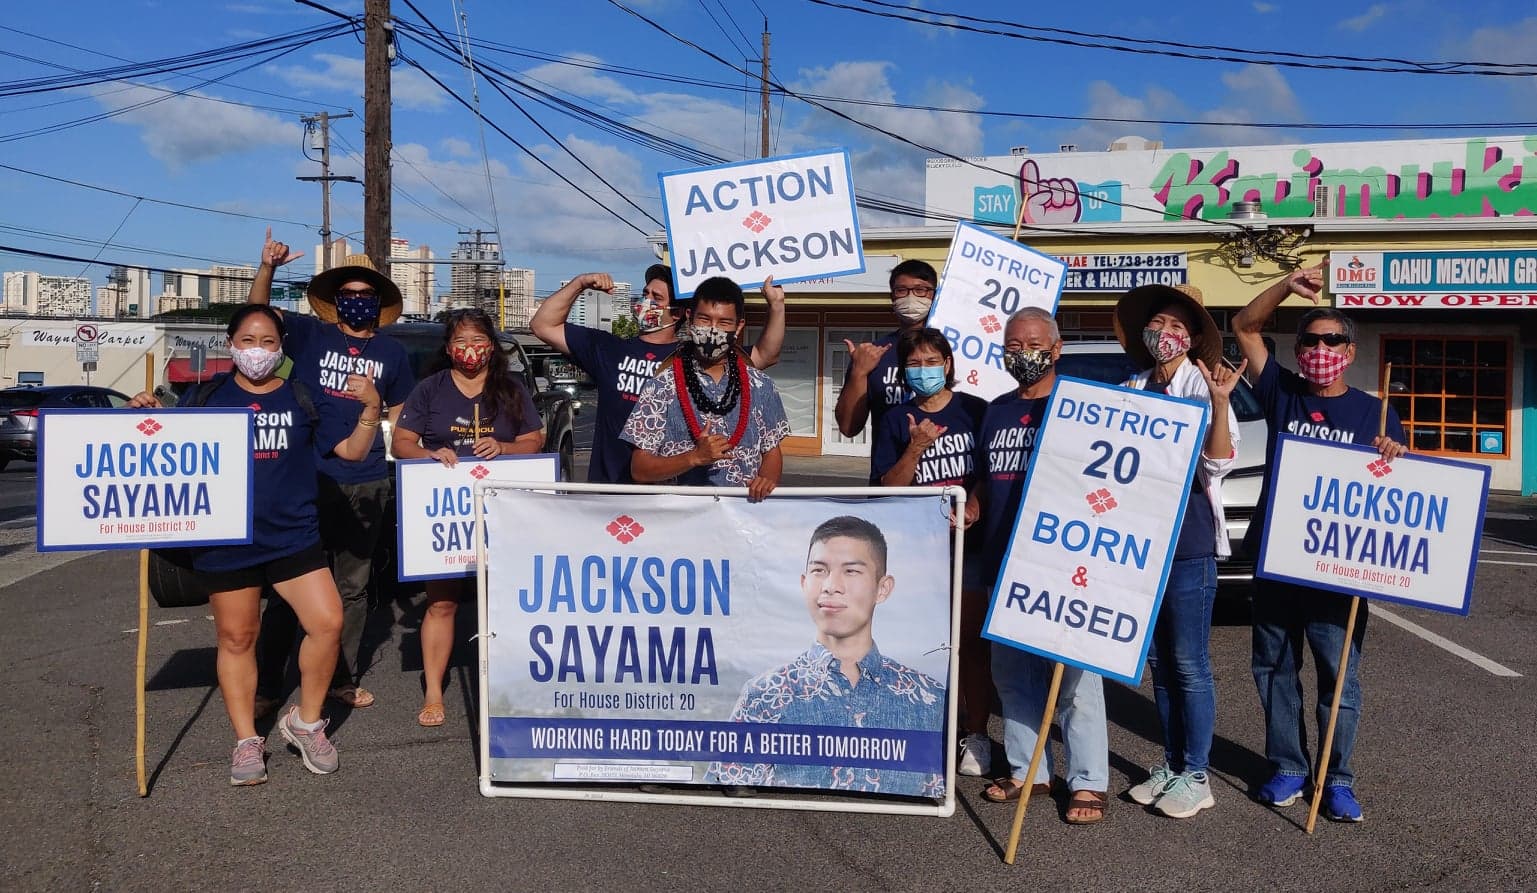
(1139, 46)
(592, 65)
(48, 255)
(719, 27)
(153, 201)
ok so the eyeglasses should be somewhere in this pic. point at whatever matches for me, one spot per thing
(1333, 339)
(917, 291)
(357, 293)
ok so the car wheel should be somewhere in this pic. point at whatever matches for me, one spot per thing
(3, 463)
(567, 459)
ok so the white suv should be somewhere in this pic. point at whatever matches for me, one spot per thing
(1105, 361)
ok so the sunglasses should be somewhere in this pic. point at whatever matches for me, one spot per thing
(357, 293)
(1333, 339)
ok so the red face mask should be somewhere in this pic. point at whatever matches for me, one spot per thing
(470, 357)
(1323, 366)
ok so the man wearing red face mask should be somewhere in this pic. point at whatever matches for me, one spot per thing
(1318, 404)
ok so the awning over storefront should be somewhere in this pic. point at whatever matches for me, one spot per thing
(179, 370)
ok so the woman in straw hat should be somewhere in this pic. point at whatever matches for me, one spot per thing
(1169, 335)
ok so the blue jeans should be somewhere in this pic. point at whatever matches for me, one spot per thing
(1286, 615)
(1181, 664)
(1023, 680)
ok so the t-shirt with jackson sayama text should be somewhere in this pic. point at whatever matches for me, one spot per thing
(323, 358)
(950, 459)
(620, 368)
(884, 389)
(1351, 417)
(284, 443)
(1005, 445)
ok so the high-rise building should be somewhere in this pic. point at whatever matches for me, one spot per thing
(517, 300)
(475, 284)
(126, 294)
(340, 248)
(597, 309)
(230, 284)
(62, 296)
(20, 292)
(416, 281)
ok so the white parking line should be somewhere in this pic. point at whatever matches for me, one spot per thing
(1511, 563)
(1472, 657)
(1506, 552)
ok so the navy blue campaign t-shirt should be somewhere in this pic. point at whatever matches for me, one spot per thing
(1352, 417)
(323, 358)
(620, 368)
(283, 444)
(1005, 444)
(951, 459)
(884, 389)
(445, 417)
(1198, 532)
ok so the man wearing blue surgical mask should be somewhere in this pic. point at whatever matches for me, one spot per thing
(350, 302)
(620, 367)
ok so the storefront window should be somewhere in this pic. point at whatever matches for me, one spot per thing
(1453, 394)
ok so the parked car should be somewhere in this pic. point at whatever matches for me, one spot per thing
(18, 414)
(1105, 361)
(424, 342)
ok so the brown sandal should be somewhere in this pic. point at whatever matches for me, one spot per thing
(354, 696)
(430, 716)
(1008, 790)
(1092, 802)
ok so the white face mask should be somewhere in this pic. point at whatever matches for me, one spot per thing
(255, 363)
(912, 308)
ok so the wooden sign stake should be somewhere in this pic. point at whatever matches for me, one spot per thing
(1035, 762)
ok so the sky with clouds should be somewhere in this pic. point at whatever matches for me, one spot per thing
(228, 138)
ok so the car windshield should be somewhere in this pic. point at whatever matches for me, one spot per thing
(20, 399)
(1114, 368)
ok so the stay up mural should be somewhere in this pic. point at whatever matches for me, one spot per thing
(1483, 177)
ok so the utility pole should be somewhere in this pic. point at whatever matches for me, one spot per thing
(378, 52)
(763, 92)
(322, 121)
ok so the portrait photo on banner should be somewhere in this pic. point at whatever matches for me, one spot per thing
(644, 636)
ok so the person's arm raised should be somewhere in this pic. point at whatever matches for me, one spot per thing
(1250, 321)
(765, 352)
(549, 321)
(274, 255)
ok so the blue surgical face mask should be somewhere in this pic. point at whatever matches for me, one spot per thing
(926, 380)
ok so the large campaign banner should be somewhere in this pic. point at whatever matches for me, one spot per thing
(129, 479)
(1106, 492)
(800, 642)
(435, 509)
(986, 279)
(1342, 518)
(791, 217)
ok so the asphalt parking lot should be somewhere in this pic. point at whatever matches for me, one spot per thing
(1443, 760)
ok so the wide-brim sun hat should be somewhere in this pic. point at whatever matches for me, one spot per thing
(353, 268)
(1136, 307)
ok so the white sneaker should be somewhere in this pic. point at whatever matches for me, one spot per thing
(976, 756)
(1185, 796)
(1148, 792)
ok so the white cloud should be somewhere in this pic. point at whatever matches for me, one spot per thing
(1502, 43)
(582, 81)
(1105, 101)
(1364, 20)
(409, 89)
(190, 127)
(1264, 8)
(1255, 93)
(959, 134)
(456, 147)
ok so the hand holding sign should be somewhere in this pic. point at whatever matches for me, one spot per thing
(144, 400)
(1388, 448)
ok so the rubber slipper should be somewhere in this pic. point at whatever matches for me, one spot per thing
(355, 696)
(1093, 802)
(431, 715)
(1009, 789)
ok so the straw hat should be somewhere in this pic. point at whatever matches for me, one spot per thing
(353, 268)
(1136, 307)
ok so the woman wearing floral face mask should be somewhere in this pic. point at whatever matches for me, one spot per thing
(1169, 335)
(472, 406)
(284, 551)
